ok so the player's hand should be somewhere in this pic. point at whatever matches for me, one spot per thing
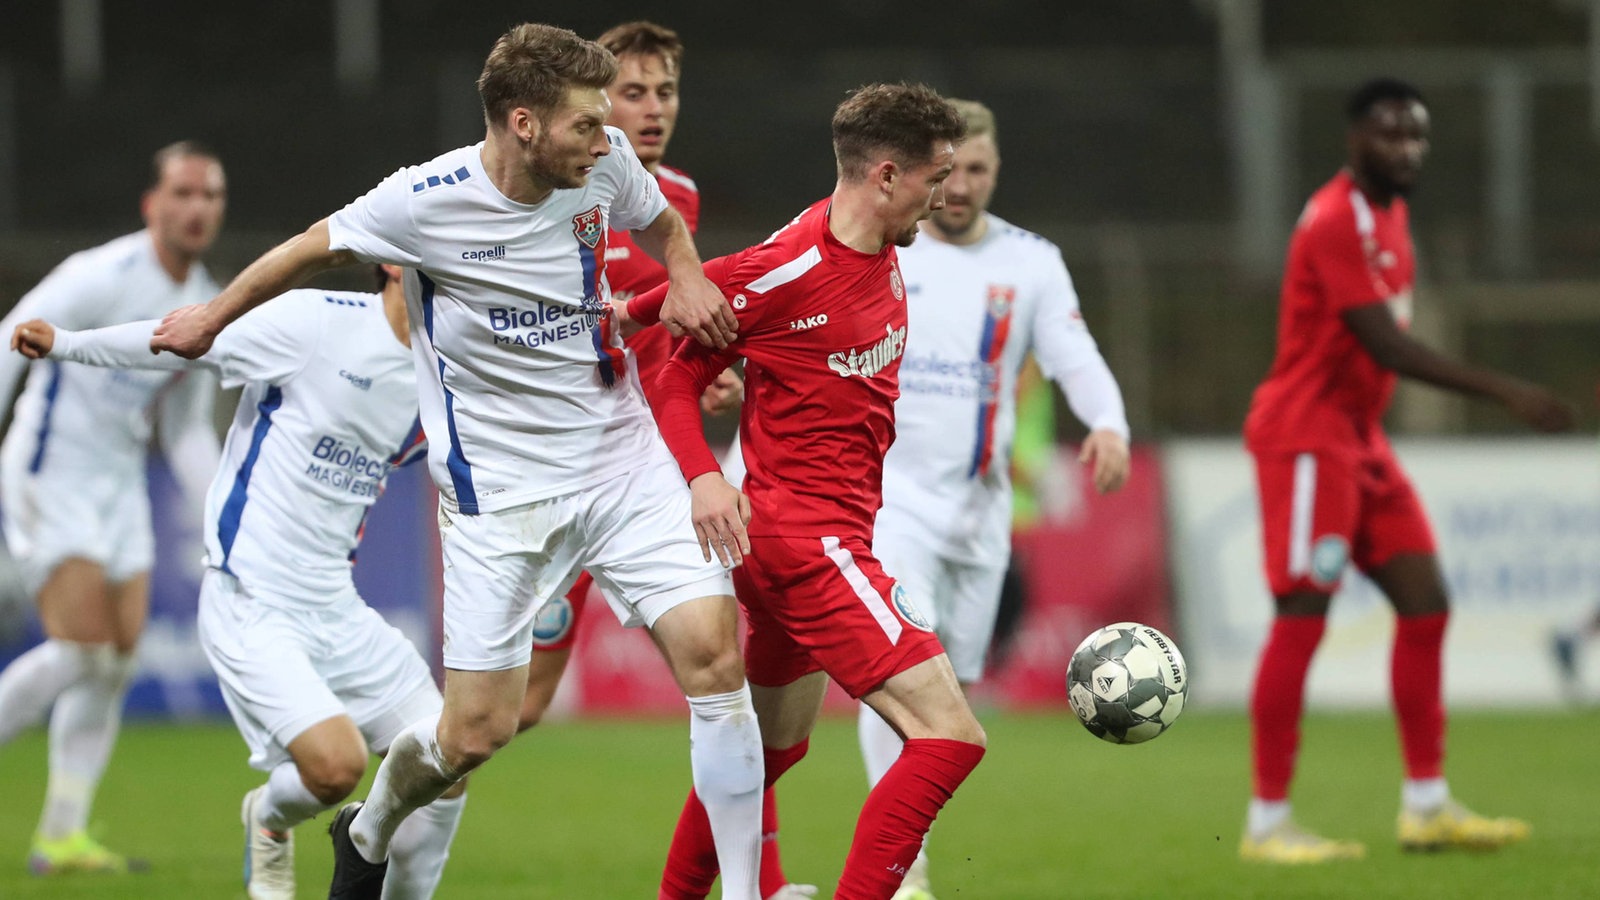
(34, 338)
(1106, 453)
(186, 331)
(696, 307)
(627, 326)
(1539, 408)
(721, 513)
(724, 394)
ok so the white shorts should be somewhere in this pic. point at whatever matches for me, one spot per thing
(60, 513)
(962, 598)
(284, 669)
(634, 534)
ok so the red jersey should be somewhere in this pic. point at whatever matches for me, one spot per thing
(1324, 391)
(631, 271)
(821, 328)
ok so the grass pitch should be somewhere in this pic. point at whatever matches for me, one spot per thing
(585, 810)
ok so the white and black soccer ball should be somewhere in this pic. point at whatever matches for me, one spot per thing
(1127, 682)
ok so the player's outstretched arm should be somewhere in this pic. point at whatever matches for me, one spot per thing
(125, 346)
(720, 511)
(189, 331)
(693, 305)
(1374, 326)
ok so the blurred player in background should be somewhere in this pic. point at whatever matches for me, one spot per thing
(822, 325)
(644, 105)
(1567, 646)
(75, 501)
(981, 294)
(315, 679)
(1333, 493)
(542, 447)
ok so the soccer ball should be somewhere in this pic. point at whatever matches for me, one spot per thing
(1127, 682)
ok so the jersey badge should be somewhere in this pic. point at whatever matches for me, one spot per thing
(908, 610)
(587, 226)
(1000, 298)
(896, 286)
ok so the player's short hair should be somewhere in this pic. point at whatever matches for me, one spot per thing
(1376, 91)
(644, 39)
(979, 119)
(177, 150)
(902, 120)
(533, 66)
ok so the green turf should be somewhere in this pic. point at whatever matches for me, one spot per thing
(584, 810)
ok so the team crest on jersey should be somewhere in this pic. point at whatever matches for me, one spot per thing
(896, 286)
(1000, 298)
(908, 610)
(587, 227)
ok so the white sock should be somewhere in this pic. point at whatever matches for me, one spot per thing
(83, 729)
(726, 759)
(420, 848)
(35, 679)
(1265, 815)
(287, 801)
(413, 775)
(1424, 794)
(880, 745)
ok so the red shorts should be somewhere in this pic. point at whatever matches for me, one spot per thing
(556, 625)
(1320, 511)
(825, 604)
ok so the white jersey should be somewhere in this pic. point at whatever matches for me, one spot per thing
(524, 398)
(74, 418)
(329, 409)
(975, 312)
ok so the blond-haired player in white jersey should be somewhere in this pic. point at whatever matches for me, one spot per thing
(315, 679)
(981, 295)
(541, 445)
(72, 486)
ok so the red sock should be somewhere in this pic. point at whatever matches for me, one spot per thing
(898, 813)
(692, 859)
(777, 763)
(1277, 699)
(1415, 681)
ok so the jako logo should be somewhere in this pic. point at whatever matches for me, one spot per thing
(872, 360)
(810, 322)
(496, 252)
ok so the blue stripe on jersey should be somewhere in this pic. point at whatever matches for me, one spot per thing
(51, 391)
(455, 460)
(591, 287)
(987, 398)
(233, 510)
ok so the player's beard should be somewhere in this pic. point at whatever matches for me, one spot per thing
(550, 166)
(906, 237)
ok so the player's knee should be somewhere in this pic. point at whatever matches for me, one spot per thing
(332, 778)
(472, 746)
(717, 670)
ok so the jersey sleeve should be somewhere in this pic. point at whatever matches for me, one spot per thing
(645, 308)
(1068, 355)
(676, 404)
(639, 200)
(272, 342)
(1333, 247)
(377, 227)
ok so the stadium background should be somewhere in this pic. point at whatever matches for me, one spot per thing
(1165, 146)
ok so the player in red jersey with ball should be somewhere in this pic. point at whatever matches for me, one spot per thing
(1332, 491)
(822, 325)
